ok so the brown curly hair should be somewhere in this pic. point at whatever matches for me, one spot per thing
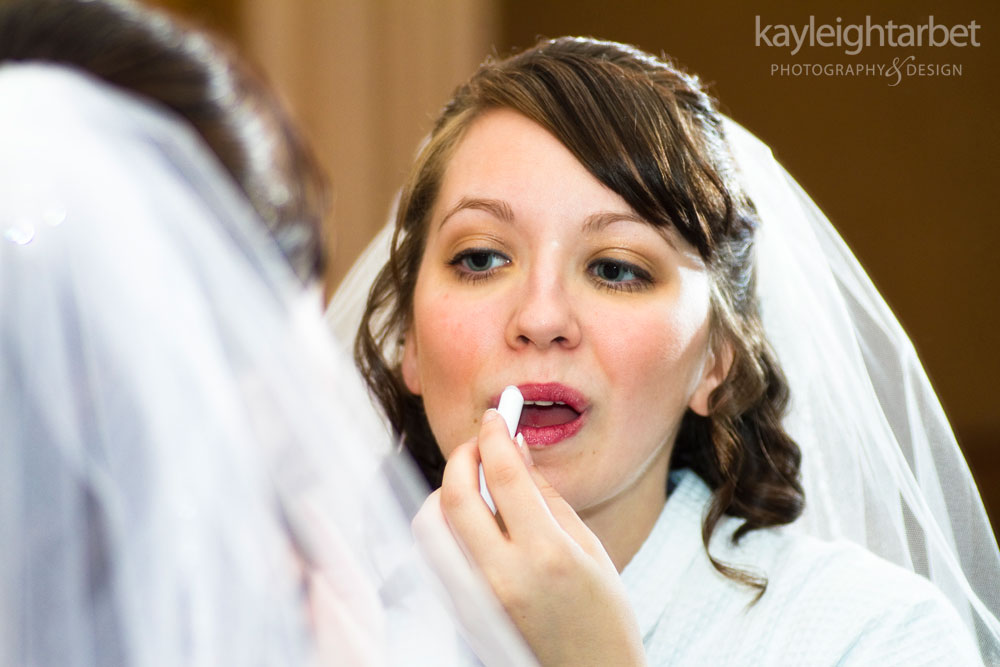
(650, 133)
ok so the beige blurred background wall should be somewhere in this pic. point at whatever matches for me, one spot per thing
(907, 173)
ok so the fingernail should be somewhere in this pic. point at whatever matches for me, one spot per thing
(490, 415)
(523, 448)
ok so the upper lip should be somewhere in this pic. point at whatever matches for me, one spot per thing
(551, 391)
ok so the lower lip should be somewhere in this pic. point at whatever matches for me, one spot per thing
(549, 435)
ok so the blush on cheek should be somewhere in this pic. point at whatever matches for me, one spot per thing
(457, 345)
(457, 336)
(650, 358)
(636, 343)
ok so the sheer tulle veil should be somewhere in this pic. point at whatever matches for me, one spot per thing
(881, 466)
(190, 471)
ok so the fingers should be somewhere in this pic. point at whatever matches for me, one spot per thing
(467, 514)
(531, 509)
(530, 506)
(549, 571)
(515, 493)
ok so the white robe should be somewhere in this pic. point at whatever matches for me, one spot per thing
(827, 603)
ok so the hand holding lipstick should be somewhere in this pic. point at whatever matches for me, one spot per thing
(548, 569)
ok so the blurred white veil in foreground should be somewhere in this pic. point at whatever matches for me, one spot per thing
(190, 473)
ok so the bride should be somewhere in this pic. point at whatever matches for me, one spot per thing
(732, 453)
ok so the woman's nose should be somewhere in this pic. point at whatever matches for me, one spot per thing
(545, 315)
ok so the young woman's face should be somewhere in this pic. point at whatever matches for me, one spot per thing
(537, 275)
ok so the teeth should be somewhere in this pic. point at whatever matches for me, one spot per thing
(544, 404)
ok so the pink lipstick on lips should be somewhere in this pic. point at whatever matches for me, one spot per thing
(552, 412)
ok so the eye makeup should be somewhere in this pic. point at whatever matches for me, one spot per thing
(477, 263)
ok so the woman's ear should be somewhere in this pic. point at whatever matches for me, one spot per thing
(717, 365)
(411, 363)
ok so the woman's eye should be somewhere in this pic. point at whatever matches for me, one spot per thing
(613, 272)
(478, 261)
(616, 274)
(482, 261)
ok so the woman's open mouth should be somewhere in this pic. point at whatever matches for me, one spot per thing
(552, 412)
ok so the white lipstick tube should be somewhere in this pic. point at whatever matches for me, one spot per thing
(511, 403)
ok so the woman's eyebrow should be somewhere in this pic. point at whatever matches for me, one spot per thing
(496, 207)
(595, 222)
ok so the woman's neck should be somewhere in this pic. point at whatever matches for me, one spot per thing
(624, 522)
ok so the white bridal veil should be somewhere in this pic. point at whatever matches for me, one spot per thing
(881, 466)
(190, 473)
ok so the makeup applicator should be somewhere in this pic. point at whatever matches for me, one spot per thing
(511, 402)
